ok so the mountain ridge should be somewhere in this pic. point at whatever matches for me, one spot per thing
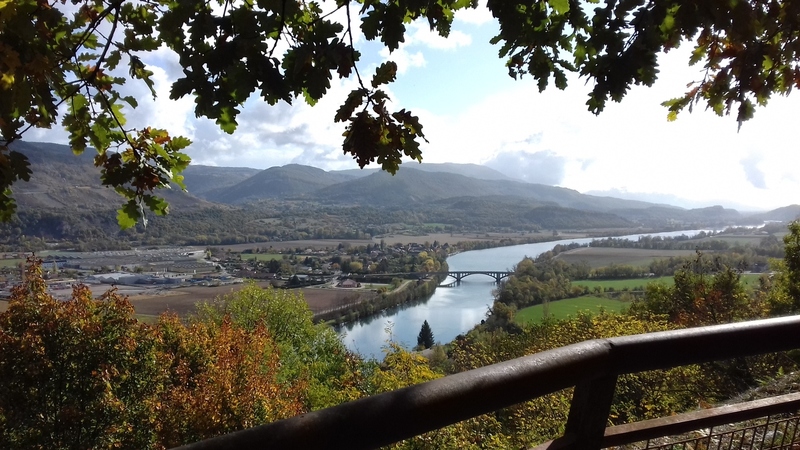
(62, 180)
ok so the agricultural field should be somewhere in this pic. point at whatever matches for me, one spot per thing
(750, 280)
(276, 246)
(11, 262)
(605, 256)
(262, 256)
(737, 239)
(618, 285)
(561, 309)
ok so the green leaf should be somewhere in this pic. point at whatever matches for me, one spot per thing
(20, 166)
(131, 101)
(116, 110)
(227, 119)
(354, 100)
(767, 64)
(179, 143)
(156, 204)
(128, 215)
(8, 206)
(559, 6)
(384, 74)
(371, 23)
(561, 79)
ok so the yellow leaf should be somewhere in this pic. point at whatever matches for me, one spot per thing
(7, 80)
(672, 116)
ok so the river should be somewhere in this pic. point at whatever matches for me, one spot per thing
(451, 311)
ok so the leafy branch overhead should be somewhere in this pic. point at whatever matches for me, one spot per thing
(68, 62)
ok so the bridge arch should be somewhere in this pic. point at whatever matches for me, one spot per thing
(497, 275)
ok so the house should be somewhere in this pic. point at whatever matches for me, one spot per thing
(348, 283)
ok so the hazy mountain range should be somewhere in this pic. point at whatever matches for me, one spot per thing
(64, 180)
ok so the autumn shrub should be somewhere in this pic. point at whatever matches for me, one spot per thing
(84, 373)
(222, 378)
(81, 373)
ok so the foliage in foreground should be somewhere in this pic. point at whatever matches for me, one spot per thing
(85, 373)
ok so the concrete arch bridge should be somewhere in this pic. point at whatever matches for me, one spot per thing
(461, 274)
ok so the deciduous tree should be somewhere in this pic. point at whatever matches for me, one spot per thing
(81, 373)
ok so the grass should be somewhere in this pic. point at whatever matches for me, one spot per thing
(262, 256)
(13, 262)
(605, 256)
(147, 318)
(750, 280)
(561, 309)
(619, 285)
(733, 239)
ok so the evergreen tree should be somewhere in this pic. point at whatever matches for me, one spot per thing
(425, 337)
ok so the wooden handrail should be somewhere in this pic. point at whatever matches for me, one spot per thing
(590, 365)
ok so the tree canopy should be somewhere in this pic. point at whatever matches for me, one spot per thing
(68, 62)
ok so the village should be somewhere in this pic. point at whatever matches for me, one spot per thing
(155, 270)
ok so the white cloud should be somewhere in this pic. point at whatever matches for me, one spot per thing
(405, 60)
(543, 167)
(420, 33)
(475, 16)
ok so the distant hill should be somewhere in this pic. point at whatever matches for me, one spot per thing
(290, 181)
(467, 170)
(784, 214)
(453, 194)
(63, 180)
(202, 180)
(410, 186)
(660, 215)
(558, 218)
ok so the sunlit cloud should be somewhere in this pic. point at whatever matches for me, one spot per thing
(542, 167)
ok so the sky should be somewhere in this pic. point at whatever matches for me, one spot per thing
(473, 112)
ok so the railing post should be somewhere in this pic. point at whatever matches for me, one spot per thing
(588, 412)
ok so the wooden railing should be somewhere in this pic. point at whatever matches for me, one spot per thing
(591, 367)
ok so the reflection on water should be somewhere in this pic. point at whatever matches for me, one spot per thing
(451, 311)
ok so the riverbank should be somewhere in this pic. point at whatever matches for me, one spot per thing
(410, 291)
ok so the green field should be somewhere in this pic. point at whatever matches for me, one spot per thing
(751, 280)
(748, 279)
(604, 256)
(262, 256)
(737, 239)
(13, 262)
(619, 285)
(569, 307)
